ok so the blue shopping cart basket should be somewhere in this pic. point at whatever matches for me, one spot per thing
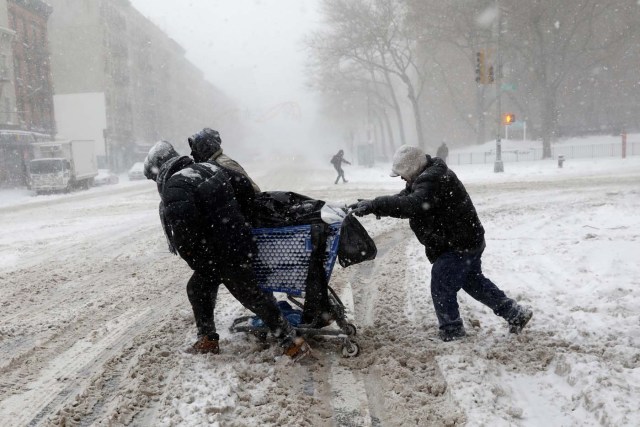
(282, 265)
(284, 253)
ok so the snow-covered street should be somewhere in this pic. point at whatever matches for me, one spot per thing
(95, 315)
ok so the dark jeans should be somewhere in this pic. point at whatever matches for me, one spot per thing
(453, 271)
(241, 282)
(340, 174)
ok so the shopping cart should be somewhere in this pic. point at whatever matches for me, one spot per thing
(282, 264)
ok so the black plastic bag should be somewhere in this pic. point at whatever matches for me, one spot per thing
(284, 208)
(355, 244)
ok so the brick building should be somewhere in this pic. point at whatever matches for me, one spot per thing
(26, 93)
(151, 91)
(32, 72)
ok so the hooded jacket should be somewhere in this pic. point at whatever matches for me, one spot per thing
(439, 209)
(228, 163)
(205, 147)
(201, 216)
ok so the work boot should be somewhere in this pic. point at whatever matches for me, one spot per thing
(296, 348)
(452, 334)
(204, 345)
(520, 319)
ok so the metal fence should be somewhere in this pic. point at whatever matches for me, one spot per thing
(526, 155)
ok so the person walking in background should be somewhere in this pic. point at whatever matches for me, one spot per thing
(204, 224)
(443, 151)
(443, 218)
(337, 162)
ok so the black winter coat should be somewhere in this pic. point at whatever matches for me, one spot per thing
(201, 216)
(243, 190)
(440, 211)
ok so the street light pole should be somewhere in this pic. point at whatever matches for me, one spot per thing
(498, 166)
(106, 149)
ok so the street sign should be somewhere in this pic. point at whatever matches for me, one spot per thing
(508, 87)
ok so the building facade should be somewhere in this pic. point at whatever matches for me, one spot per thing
(32, 71)
(151, 90)
(26, 92)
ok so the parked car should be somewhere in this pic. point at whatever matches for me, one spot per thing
(137, 171)
(105, 177)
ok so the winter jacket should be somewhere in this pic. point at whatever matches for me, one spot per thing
(440, 211)
(338, 160)
(228, 163)
(201, 215)
(243, 189)
(205, 146)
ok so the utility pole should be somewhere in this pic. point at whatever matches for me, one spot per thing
(105, 135)
(498, 166)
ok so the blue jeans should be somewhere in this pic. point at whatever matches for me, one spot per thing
(453, 271)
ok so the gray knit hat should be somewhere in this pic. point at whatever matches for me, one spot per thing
(408, 162)
(158, 155)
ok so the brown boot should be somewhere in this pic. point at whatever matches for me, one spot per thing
(297, 349)
(204, 345)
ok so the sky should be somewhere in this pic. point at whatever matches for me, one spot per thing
(253, 51)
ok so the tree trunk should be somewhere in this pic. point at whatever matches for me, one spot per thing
(396, 107)
(390, 139)
(382, 137)
(416, 113)
(549, 115)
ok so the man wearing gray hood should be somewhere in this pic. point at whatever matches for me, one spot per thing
(204, 224)
(443, 218)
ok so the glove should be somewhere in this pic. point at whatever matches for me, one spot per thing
(362, 208)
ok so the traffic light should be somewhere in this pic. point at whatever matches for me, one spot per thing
(508, 119)
(480, 69)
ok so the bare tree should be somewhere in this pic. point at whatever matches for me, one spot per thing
(361, 89)
(373, 34)
(552, 42)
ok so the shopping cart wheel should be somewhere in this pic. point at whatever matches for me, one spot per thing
(350, 349)
(350, 329)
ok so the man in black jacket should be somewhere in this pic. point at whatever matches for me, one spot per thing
(205, 147)
(445, 221)
(204, 224)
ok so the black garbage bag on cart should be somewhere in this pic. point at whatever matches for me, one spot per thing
(355, 245)
(286, 208)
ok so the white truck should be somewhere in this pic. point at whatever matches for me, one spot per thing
(62, 165)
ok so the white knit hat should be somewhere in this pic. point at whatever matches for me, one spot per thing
(408, 162)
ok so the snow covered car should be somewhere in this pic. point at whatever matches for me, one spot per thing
(136, 171)
(105, 177)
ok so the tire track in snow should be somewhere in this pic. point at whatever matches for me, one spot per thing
(348, 392)
(48, 390)
(397, 362)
